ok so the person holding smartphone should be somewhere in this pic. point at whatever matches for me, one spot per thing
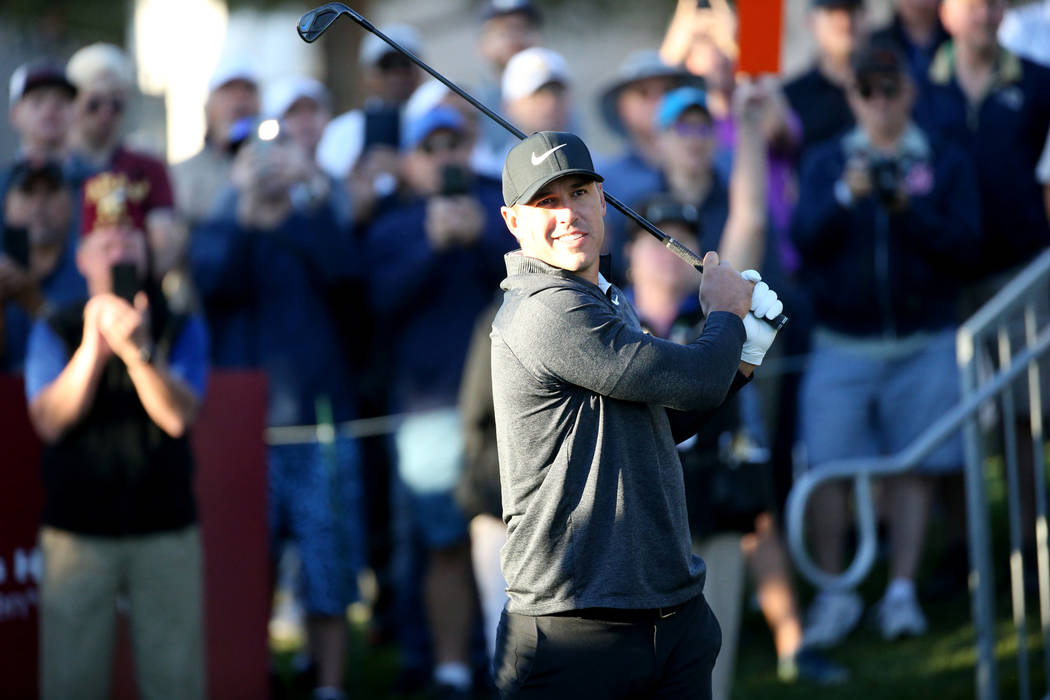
(37, 269)
(432, 265)
(113, 386)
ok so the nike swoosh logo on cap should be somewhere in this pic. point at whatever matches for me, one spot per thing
(536, 160)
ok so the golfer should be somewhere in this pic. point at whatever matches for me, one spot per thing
(605, 595)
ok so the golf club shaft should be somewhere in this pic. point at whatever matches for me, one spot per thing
(670, 243)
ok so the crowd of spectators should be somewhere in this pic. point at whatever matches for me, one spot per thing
(355, 260)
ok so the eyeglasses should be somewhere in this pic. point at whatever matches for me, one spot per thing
(699, 130)
(441, 143)
(887, 88)
(95, 104)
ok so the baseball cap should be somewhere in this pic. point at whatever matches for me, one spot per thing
(837, 4)
(676, 102)
(499, 8)
(99, 62)
(26, 172)
(529, 70)
(440, 117)
(639, 65)
(373, 48)
(233, 68)
(279, 97)
(662, 208)
(877, 58)
(34, 74)
(540, 159)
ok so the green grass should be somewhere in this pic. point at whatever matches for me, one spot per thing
(937, 666)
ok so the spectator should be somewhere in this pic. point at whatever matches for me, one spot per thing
(686, 143)
(365, 141)
(916, 28)
(233, 104)
(508, 27)
(886, 223)
(628, 106)
(997, 106)
(433, 265)
(264, 264)
(113, 386)
(1025, 31)
(40, 98)
(104, 80)
(818, 96)
(536, 93)
(37, 269)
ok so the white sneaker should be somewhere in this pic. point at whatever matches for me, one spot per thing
(900, 615)
(832, 616)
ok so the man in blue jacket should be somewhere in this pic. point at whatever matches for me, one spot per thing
(886, 226)
(433, 263)
(264, 265)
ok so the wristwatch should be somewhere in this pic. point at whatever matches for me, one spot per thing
(148, 352)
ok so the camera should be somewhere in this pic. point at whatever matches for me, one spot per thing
(885, 174)
(455, 180)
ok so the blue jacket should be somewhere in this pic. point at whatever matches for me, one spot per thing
(874, 273)
(265, 298)
(427, 301)
(1004, 136)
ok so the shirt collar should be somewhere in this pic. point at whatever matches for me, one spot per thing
(942, 68)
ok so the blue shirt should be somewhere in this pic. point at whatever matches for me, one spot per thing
(64, 285)
(48, 356)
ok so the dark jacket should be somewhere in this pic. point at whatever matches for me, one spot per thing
(875, 273)
(1004, 136)
(426, 300)
(265, 295)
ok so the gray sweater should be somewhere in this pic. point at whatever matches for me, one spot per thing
(593, 495)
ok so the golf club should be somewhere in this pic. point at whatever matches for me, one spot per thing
(315, 22)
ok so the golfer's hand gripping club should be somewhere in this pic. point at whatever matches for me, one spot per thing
(314, 23)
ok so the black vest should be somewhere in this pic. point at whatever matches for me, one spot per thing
(115, 472)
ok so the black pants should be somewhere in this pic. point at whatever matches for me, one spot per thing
(608, 654)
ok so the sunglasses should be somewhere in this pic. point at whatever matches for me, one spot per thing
(693, 129)
(95, 104)
(393, 61)
(887, 88)
(441, 143)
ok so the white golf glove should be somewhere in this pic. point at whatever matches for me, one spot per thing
(764, 305)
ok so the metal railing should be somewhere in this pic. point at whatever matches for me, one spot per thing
(1015, 308)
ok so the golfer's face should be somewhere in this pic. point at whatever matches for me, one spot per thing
(563, 225)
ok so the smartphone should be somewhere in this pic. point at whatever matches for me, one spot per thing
(455, 180)
(16, 245)
(382, 128)
(126, 281)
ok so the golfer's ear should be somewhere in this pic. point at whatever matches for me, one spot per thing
(601, 195)
(510, 217)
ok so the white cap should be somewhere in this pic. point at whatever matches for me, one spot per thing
(97, 63)
(529, 70)
(232, 68)
(373, 48)
(282, 94)
(425, 98)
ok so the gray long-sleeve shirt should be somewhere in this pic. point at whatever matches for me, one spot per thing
(593, 495)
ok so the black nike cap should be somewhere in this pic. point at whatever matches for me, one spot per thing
(539, 160)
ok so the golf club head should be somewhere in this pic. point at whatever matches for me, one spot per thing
(314, 23)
